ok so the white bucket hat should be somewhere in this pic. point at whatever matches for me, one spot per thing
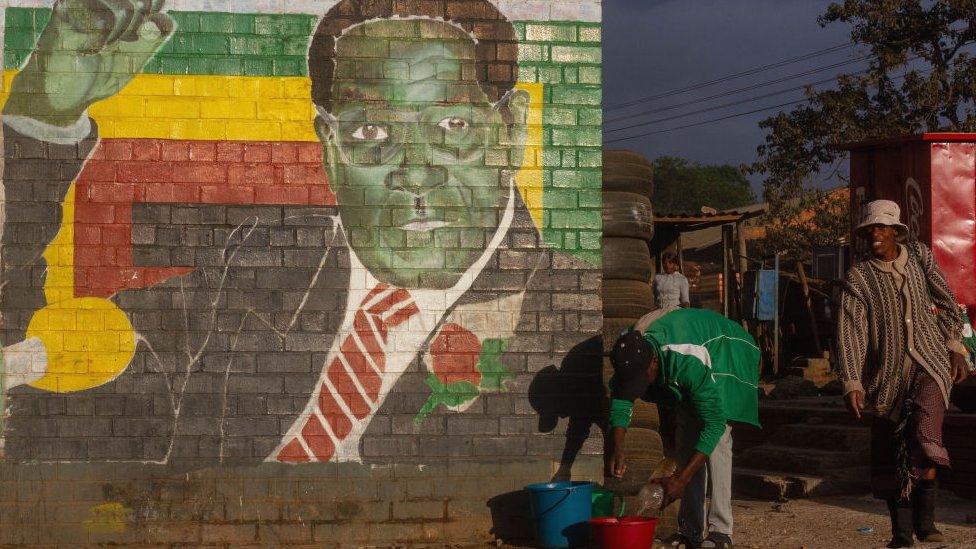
(882, 212)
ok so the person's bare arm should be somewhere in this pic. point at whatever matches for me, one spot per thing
(618, 463)
(674, 486)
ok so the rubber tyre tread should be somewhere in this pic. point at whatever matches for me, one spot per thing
(627, 215)
(626, 259)
(645, 416)
(627, 298)
(629, 169)
(628, 184)
(611, 330)
(643, 445)
(624, 156)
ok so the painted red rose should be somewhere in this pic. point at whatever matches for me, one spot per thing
(455, 353)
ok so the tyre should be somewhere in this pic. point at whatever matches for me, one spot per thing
(626, 259)
(627, 215)
(643, 445)
(611, 331)
(617, 157)
(643, 450)
(628, 184)
(629, 169)
(627, 298)
(645, 416)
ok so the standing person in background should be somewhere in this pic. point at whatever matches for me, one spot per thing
(671, 287)
(900, 340)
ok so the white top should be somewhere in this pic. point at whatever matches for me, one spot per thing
(671, 290)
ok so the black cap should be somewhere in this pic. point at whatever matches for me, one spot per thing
(630, 357)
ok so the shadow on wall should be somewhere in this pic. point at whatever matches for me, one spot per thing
(574, 391)
(511, 518)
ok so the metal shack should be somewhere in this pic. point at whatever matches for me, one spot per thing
(932, 177)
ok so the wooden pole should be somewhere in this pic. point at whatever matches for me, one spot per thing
(740, 235)
(808, 304)
(776, 318)
(726, 270)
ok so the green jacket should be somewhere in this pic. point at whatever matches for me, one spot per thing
(705, 359)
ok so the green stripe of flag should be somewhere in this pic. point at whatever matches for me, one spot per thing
(277, 44)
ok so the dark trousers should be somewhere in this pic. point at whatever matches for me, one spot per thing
(923, 437)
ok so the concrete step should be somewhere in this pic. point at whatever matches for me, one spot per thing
(823, 437)
(781, 485)
(775, 414)
(802, 461)
(772, 485)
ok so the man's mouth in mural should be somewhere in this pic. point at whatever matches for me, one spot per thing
(424, 226)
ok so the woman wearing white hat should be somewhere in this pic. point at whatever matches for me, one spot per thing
(899, 338)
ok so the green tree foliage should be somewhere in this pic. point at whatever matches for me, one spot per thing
(817, 218)
(683, 186)
(921, 77)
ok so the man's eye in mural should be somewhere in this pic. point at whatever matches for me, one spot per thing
(370, 132)
(454, 124)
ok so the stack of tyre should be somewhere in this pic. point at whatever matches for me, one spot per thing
(628, 227)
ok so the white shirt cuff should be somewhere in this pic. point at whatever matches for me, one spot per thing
(49, 133)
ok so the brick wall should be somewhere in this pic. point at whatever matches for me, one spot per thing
(297, 272)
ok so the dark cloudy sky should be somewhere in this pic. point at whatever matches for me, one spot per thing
(655, 46)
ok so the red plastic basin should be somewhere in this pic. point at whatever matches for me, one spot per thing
(630, 532)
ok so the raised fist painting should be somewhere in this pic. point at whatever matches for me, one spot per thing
(89, 51)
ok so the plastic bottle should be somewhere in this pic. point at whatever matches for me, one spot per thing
(651, 495)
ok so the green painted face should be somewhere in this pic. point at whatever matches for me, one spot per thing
(421, 162)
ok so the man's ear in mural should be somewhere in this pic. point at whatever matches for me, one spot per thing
(88, 51)
(514, 107)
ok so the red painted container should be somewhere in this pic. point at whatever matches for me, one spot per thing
(932, 177)
(630, 532)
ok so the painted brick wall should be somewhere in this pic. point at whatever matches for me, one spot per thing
(306, 272)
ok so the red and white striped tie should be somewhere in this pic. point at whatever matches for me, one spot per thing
(352, 381)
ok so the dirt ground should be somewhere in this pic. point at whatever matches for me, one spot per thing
(834, 523)
(842, 522)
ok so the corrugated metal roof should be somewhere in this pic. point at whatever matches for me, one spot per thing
(719, 217)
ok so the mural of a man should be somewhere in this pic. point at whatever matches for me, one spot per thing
(410, 302)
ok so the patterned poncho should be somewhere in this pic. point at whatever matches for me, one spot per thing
(895, 315)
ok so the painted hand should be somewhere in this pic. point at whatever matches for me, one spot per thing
(89, 51)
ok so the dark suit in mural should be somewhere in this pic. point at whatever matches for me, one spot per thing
(406, 323)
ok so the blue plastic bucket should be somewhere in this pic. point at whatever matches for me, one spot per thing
(561, 511)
